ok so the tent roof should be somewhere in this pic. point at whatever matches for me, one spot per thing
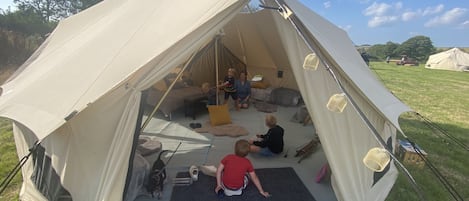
(96, 50)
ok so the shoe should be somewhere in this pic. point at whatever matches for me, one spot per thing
(194, 172)
(221, 193)
(195, 125)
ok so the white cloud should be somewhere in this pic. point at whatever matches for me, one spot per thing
(346, 27)
(382, 13)
(377, 9)
(407, 16)
(327, 4)
(449, 17)
(377, 21)
(433, 10)
(464, 25)
(398, 5)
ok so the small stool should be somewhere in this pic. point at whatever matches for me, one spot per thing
(192, 103)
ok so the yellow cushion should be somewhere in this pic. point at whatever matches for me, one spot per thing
(219, 114)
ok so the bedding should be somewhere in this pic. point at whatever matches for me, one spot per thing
(261, 94)
(175, 98)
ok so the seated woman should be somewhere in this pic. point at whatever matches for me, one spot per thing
(243, 87)
(271, 143)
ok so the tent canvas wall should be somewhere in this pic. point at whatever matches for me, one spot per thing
(79, 94)
(453, 59)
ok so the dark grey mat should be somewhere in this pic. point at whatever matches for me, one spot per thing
(282, 183)
(265, 107)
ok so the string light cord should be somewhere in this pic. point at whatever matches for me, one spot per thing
(294, 22)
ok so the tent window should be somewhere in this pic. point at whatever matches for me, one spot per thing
(46, 179)
(378, 175)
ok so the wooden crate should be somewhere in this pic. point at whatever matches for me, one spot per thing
(408, 155)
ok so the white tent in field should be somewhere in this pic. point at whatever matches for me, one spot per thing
(452, 59)
(79, 94)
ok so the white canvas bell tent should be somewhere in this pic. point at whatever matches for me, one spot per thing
(79, 94)
(453, 59)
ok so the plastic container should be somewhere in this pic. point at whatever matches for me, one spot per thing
(311, 62)
(337, 103)
(376, 159)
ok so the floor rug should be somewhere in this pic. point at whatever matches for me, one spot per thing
(282, 183)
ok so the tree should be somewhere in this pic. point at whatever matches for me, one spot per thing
(21, 32)
(26, 22)
(389, 49)
(54, 10)
(418, 47)
(376, 52)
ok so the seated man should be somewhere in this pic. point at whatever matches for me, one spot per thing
(271, 143)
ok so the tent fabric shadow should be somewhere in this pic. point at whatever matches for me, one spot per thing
(282, 183)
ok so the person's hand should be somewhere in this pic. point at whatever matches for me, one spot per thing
(265, 194)
(218, 188)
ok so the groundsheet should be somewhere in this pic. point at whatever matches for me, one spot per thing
(282, 183)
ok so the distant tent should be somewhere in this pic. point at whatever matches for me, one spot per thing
(453, 59)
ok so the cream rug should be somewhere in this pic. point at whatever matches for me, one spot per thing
(231, 130)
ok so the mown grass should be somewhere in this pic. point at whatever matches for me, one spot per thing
(8, 160)
(441, 97)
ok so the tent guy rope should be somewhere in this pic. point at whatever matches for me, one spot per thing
(17, 168)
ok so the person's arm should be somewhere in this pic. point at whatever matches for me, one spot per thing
(260, 143)
(219, 171)
(258, 185)
(249, 90)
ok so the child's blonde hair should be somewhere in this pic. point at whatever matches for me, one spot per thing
(232, 70)
(270, 120)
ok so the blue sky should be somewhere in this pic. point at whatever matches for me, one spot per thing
(5, 3)
(446, 23)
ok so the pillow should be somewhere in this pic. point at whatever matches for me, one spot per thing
(219, 114)
(260, 85)
(285, 97)
(257, 78)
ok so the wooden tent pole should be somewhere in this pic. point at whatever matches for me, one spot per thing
(216, 67)
(167, 91)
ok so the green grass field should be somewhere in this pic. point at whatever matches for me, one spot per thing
(440, 96)
(8, 160)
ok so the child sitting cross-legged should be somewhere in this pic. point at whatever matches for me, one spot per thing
(235, 170)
